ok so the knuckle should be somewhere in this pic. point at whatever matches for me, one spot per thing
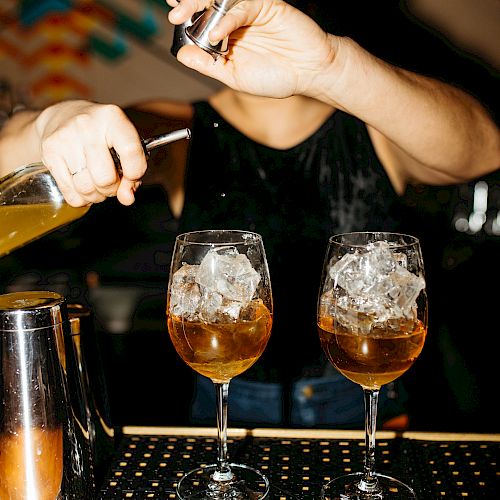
(95, 198)
(112, 110)
(82, 121)
(85, 185)
(105, 178)
(74, 199)
(106, 193)
(132, 149)
(135, 168)
(49, 148)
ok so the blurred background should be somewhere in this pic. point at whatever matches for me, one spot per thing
(119, 51)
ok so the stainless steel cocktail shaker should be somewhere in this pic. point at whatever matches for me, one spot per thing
(41, 456)
(89, 390)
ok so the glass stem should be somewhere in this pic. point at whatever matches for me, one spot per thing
(369, 482)
(223, 471)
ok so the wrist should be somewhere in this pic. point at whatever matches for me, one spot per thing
(338, 81)
(17, 141)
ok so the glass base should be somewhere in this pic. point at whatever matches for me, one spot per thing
(247, 484)
(346, 488)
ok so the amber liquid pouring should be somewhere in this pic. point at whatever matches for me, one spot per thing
(376, 359)
(21, 224)
(221, 351)
(31, 469)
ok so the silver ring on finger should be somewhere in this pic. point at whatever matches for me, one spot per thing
(78, 171)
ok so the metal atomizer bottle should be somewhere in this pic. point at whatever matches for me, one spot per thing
(196, 29)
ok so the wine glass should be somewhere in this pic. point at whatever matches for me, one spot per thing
(372, 323)
(219, 311)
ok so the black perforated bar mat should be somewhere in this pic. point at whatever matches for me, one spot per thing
(149, 466)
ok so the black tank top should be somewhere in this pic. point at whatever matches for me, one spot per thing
(295, 198)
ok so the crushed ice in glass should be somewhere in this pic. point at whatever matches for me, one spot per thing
(376, 284)
(219, 288)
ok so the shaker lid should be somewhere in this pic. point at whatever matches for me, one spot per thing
(31, 310)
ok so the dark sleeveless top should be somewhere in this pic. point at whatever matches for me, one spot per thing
(295, 198)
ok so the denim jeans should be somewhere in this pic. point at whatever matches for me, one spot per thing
(327, 401)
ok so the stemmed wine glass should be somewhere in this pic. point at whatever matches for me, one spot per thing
(219, 310)
(372, 323)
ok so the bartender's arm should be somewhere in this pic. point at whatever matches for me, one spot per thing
(73, 139)
(424, 130)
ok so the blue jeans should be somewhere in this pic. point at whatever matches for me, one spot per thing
(327, 401)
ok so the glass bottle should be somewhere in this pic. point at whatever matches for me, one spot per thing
(31, 204)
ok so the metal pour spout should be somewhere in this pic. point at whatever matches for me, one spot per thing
(161, 140)
(154, 142)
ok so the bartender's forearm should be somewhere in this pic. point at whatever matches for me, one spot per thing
(19, 142)
(444, 129)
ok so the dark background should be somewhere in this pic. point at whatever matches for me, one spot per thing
(116, 261)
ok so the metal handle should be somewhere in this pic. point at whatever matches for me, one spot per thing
(153, 143)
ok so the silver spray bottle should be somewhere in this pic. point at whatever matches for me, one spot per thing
(196, 29)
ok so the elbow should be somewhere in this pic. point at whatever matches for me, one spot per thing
(481, 155)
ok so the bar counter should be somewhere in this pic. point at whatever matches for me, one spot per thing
(149, 461)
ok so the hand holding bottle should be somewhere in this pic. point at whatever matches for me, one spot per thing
(274, 50)
(75, 141)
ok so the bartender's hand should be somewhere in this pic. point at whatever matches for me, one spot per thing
(423, 129)
(75, 138)
(274, 49)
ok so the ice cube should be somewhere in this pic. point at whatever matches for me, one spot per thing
(374, 283)
(185, 294)
(229, 273)
(217, 289)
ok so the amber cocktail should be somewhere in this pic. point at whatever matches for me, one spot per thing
(221, 351)
(219, 311)
(31, 461)
(372, 324)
